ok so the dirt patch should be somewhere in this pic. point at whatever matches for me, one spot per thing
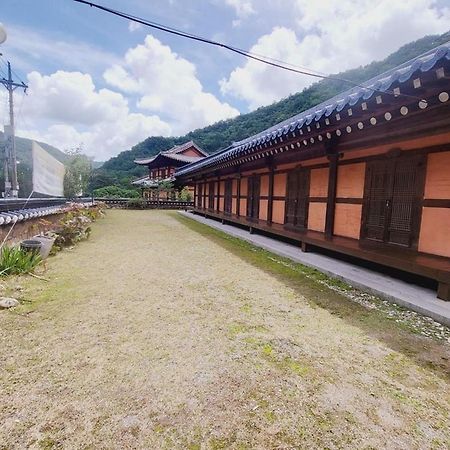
(151, 335)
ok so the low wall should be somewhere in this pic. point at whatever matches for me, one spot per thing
(149, 204)
(29, 228)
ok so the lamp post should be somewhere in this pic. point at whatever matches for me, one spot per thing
(11, 188)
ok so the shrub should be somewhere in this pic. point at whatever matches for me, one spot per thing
(136, 203)
(185, 195)
(14, 260)
(115, 192)
(75, 226)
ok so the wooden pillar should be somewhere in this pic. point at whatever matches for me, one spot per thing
(204, 193)
(443, 291)
(331, 199)
(270, 197)
(238, 196)
(218, 194)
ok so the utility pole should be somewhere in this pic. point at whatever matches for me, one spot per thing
(11, 187)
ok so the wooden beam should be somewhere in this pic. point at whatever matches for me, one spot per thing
(444, 291)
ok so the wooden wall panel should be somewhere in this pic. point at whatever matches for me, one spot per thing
(347, 220)
(263, 209)
(316, 216)
(437, 181)
(279, 184)
(221, 203)
(435, 231)
(264, 185)
(278, 211)
(244, 188)
(243, 207)
(319, 182)
(233, 206)
(234, 187)
(350, 182)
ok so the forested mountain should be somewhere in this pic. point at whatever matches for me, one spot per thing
(120, 169)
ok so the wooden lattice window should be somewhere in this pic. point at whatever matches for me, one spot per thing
(393, 191)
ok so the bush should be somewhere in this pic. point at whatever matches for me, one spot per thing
(75, 226)
(138, 203)
(185, 195)
(14, 260)
(115, 192)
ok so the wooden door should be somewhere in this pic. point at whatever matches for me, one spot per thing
(297, 202)
(211, 194)
(291, 197)
(394, 189)
(200, 195)
(253, 194)
(228, 198)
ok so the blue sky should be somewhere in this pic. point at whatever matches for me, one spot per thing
(99, 81)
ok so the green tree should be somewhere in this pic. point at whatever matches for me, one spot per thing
(78, 173)
(115, 192)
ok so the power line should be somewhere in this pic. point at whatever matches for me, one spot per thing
(12, 70)
(254, 56)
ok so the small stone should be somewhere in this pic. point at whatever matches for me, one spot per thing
(7, 302)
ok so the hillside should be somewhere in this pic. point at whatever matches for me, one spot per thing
(120, 169)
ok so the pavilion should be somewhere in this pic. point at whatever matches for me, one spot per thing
(161, 169)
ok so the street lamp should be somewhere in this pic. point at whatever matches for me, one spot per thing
(3, 34)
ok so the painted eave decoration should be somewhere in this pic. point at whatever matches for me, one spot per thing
(356, 96)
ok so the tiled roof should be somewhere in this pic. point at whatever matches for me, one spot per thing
(379, 84)
(174, 151)
(186, 146)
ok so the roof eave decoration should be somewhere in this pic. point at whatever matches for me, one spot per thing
(306, 119)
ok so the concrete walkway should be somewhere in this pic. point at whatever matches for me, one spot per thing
(414, 297)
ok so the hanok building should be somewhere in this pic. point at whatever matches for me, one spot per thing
(162, 167)
(366, 173)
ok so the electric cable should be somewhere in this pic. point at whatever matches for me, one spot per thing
(263, 59)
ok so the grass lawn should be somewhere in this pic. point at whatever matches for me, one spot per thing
(159, 332)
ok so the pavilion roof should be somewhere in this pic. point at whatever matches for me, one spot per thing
(298, 123)
(175, 153)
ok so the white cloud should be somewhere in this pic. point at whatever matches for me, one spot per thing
(243, 8)
(29, 47)
(168, 86)
(134, 26)
(332, 36)
(65, 109)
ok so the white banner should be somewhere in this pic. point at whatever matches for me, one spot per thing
(48, 173)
